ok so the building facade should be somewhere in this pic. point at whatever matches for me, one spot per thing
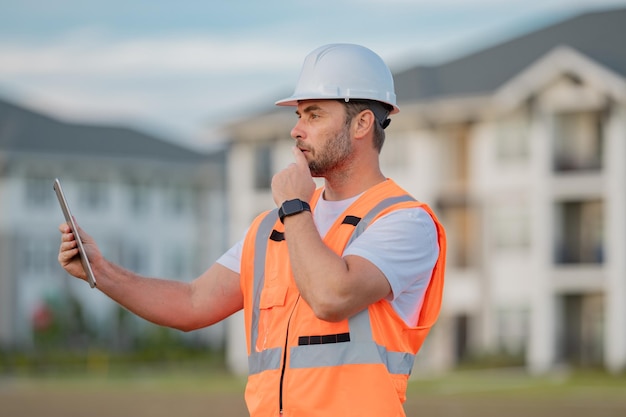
(154, 207)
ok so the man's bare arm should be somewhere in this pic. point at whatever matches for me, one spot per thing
(211, 297)
(335, 287)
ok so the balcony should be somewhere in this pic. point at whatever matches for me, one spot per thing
(579, 230)
(578, 141)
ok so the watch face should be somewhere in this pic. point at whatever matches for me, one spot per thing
(292, 207)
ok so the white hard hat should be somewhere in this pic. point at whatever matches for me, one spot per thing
(344, 71)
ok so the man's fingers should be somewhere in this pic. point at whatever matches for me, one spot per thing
(67, 255)
(67, 237)
(68, 245)
(299, 156)
(67, 252)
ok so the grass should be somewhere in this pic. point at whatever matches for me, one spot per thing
(213, 381)
(515, 382)
(203, 392)
(515, 394)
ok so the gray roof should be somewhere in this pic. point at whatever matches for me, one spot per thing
(598, 35)
(23, 130)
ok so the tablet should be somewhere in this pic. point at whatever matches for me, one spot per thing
(91, 279)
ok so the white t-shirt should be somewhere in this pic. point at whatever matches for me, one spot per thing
(402, 244)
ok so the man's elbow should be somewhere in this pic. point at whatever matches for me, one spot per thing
(329, 311)
(189, 326)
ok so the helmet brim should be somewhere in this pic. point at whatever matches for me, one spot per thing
(293, 101)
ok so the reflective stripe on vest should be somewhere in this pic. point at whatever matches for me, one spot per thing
(268, 358)
(361, 349)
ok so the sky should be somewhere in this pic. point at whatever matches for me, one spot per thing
(181, 69)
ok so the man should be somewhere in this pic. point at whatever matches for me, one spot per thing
(340, 285)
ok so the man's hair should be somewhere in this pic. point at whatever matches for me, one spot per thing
(354, 107)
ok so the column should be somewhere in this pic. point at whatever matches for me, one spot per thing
(615, 243)
(543, 339)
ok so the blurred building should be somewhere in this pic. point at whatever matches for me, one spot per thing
(521, 150)
(154, 207)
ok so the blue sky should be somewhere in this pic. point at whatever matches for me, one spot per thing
(179, 69)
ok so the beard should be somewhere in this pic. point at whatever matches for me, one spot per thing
(333, 156)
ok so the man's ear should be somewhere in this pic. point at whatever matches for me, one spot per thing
(364, 123)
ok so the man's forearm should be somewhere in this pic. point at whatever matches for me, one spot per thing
(159, 301)
(320, 274)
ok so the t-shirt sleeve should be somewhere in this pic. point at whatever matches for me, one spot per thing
(404, 246)
(231, 259)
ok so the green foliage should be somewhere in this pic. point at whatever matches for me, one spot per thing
(102, 362)
(60, 323)
(65, 340)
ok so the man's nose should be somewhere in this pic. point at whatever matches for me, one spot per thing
(297, 132)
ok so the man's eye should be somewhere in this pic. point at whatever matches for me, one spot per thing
(314, 116)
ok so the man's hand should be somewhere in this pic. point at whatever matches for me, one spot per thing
(68, 251)
(295, 181)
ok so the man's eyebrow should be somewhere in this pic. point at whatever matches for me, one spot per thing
(309, 109)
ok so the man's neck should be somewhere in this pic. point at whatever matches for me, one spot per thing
(336, 189)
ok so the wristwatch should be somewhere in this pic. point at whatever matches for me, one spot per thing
(291, 207)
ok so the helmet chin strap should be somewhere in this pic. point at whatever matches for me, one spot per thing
(380, 112)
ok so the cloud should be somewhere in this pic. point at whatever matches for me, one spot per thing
(161, 55)
(183, 66)
(176, 83)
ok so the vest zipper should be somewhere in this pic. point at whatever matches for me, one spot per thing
(282, 371)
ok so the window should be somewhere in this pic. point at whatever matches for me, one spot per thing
(455, 145)
(460, 218)
(461, 334)
(578, 141)
(139, 198)
(512, 328)
(581, 340)
(38, 192)
(135, 258)
(39, 256)
(510, 226)
(263, 167)
(579, 232)
(179, 199)
(176, 265)
(512, 136)
(93, 195)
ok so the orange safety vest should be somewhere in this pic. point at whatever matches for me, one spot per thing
(302, 366)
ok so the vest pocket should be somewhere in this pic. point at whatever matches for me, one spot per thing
(271, 311)
(274, 296)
